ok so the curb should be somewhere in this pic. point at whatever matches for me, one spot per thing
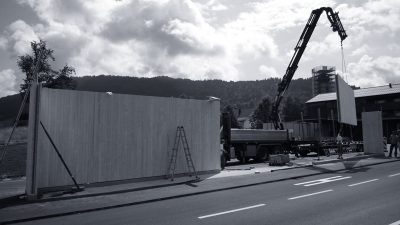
(178, 196)
(343, 160)
(11, 200)
(291, 168)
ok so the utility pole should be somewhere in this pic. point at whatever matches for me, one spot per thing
(33, 128)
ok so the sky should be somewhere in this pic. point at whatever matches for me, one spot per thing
(201, 39)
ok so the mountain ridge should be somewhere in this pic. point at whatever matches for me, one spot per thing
(245, 95)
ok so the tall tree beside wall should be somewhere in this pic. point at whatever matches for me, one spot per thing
(39, 62)
(261, 114)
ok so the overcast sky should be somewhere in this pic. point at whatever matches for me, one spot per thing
(201, 39)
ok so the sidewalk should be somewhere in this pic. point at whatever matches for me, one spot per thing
(11, 188)
(100, 198)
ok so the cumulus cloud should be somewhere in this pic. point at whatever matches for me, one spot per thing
(138, 37)
(184, 38)
(3, 42)
(20, 34)
(369, 71)
(176, 26)
(146, 38)
(8, 81)
(378, 15)
(329, 45)
(362, 50)
(267, 71)
(278, 15)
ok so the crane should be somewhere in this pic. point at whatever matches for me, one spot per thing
(336, 25)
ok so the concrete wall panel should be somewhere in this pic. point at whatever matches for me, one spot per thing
(116, 137)
(372, 132)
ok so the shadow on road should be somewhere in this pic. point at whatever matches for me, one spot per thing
(352, 166)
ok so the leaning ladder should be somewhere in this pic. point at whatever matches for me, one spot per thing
(180, 136)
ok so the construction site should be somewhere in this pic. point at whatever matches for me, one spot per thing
(88, 152)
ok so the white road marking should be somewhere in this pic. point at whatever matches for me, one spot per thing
(315, 193)
(395, 223)
(315, 180)
(322, 181)
(351, 185)
(396, 174)
(231, 211)
(327, 181)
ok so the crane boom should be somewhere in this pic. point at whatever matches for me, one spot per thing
(336, 25)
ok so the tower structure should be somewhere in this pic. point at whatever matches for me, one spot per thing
(323, 79)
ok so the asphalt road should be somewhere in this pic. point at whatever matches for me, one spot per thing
(368, 195)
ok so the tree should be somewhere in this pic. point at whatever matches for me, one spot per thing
(38, 63)
(292, 109)
(62, 78)
(230, 110)
(261, 114)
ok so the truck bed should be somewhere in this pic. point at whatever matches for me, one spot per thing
(259, 136)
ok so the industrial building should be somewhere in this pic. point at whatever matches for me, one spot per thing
(382, 98)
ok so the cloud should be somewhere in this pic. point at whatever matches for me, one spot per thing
(267, 71)
(148, 38)
(215, 5)
(8, 82)
(138, 37)
(363, 50)
(369, 71)
(329, 45)
(19, 35)
(279, 15)
(3, 42)
(376, 16)
(188, 38)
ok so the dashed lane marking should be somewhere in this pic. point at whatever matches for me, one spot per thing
(393, 175)
(322, 181)
(231, 211)
(351, 185)
(307, 195)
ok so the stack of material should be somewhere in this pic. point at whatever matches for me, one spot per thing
(278, 160)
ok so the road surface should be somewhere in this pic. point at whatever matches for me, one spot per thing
(367, 195)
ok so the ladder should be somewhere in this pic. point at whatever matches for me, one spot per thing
(180, 137)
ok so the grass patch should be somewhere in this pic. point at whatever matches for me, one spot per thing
(20, 135)
(14, 162)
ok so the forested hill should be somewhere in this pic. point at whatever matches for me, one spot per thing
(243, 94)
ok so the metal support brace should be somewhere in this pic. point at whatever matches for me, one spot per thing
(61, 158)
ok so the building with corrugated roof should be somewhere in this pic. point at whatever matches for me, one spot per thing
(382, 98)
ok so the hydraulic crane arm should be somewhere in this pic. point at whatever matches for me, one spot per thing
(336, 25)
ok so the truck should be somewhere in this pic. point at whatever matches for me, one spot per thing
(256, 144)
(260, 144)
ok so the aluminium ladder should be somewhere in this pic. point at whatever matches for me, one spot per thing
(180, 136)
